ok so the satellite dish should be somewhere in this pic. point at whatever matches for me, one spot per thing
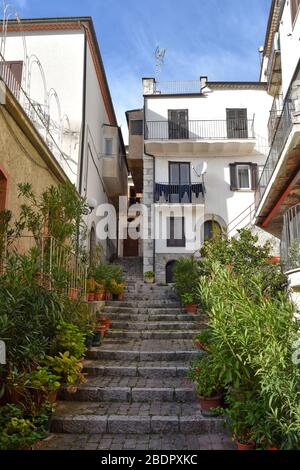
(201, 169)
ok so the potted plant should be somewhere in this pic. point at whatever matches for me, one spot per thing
(91, 288)
(73, 293)
(209, 389)
(99, 292)
(245, 415)
(68, 368)
(203, 340)
(17, 432)
(149, 277)
(44, 384)
(188, 300)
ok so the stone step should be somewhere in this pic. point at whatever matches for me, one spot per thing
(150, 311)
(152, 326)
(136, 369)
(132, 389)
(142, 317)
(144, 304)
(167, 334)
(109, 353)
(132, 418)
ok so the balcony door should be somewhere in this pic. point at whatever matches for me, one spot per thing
(178, 120)
(237, 123)
(179, 180)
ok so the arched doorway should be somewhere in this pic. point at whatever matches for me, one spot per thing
(92, 246)
(3, 189)
(212, 229)
(170, 272)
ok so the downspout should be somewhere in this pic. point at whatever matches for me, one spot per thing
(83, 113)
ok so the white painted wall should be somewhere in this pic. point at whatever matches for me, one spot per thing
(212, 106)
(61, 58)
(220, 202)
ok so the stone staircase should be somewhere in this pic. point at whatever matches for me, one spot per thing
(136, 391)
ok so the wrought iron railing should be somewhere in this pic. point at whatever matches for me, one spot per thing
(38, 116)
(274, 118)
(166, 193)
(290, 241)
(281, 134)
(275, 51)
(201, 130)
(56, 265)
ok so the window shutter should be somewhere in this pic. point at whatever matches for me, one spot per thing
(233, 177)
(254, 176)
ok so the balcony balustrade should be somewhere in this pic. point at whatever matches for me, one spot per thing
(165, 193)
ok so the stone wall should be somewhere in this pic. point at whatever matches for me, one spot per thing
(148, 242)
(161, 260)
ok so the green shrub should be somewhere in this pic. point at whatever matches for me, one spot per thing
(187, 272)
(68, 337)
(206, 376)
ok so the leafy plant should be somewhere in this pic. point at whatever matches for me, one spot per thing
(188, 299)
(91, 286)
(205, 337)
(206, 376)
(16, 432)
(187, 272)
(42, 379)
(149, 275)
(68, 337)
(67, 367)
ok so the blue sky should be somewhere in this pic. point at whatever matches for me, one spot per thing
(217, 38)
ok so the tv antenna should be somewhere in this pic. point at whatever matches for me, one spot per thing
(160, 57)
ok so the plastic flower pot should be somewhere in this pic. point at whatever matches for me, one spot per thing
(191, 308)
(248, 446)
(149, 280)
(209, 404)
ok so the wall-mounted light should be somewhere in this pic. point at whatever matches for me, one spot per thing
(92, 203)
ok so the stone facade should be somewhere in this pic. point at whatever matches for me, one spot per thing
(161, 261)
(148, 242)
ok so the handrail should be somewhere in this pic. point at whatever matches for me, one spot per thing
(251, 214)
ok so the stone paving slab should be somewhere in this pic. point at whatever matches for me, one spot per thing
(145, 441)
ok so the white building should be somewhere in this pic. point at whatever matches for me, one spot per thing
(204, 146)
(56, 70)
(278, 196)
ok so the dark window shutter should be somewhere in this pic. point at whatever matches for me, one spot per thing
(254, 176)
(233, 177)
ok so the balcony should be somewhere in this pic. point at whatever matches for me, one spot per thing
(274, 74)
(165, 193)
(274, 118)
(205, 136)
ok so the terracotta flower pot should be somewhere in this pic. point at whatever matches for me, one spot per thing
(73, 293)
(191, 308)
(52, 397)
(211, 403)
(121, 297)
(248, 446)
(200, 345)
(274, 260)
(99, 296)
(91, 297)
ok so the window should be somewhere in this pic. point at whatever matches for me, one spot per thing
(237, 123)
(136, 127)
(179, 177)
(211, 230)
(294, 9)
(176, 235)
(108, 146)
(178, 121)
(243, 176)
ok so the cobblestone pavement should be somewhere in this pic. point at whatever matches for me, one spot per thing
(137, 396)
(138, 442)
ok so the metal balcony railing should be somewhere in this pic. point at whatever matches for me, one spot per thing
(178, 87)
(166, 193)
(281, 134)
(201, 130)
(290, 241)
(274, 64)
(274, 118)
